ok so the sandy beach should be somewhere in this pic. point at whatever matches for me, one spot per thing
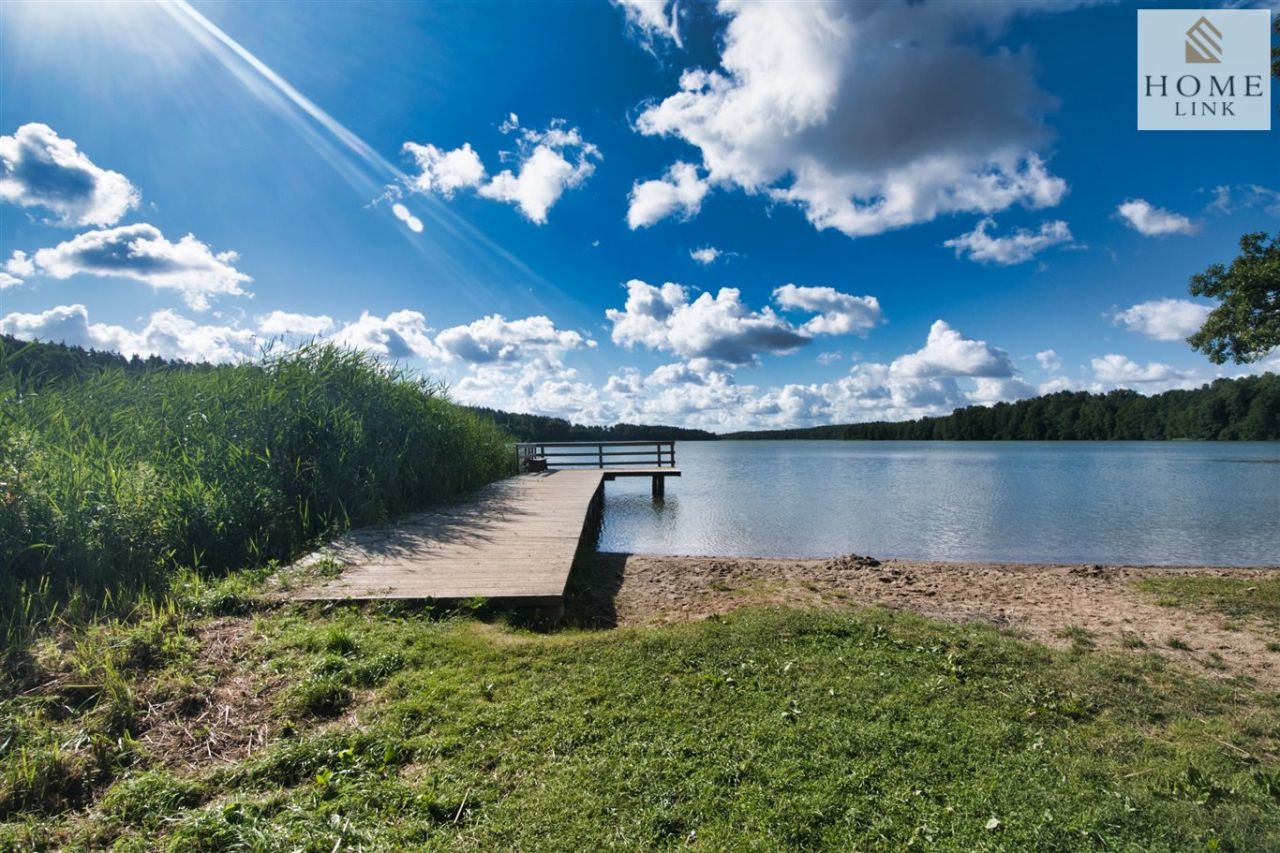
(1051, 604)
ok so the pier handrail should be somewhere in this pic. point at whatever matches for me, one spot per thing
(603, 454)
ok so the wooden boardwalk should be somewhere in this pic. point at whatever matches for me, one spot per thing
(515, 542)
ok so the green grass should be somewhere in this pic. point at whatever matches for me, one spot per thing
(768, 729)
(114, 483)
(1234, 597)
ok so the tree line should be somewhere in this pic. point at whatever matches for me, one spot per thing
(1244, 409)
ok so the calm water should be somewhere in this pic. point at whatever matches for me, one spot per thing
(1113, 502)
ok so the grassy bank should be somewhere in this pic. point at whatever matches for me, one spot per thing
(312, 728)
(116, 481)
(1227, 596)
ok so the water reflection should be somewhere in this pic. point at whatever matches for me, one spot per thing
(1170, 503)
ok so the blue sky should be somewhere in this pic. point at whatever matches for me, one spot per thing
(498, 193)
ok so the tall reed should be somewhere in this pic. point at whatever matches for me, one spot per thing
(111, 482)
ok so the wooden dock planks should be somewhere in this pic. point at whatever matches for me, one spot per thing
(516, 542)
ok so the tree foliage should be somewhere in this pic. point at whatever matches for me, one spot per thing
(1245, 409)
(1245, 327)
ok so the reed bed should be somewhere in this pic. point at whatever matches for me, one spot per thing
(113, 484)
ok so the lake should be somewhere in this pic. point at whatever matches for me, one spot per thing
(1211, 503)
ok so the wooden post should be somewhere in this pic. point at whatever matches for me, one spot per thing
(600, 450)
(659, 486)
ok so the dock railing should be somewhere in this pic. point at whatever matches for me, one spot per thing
(541, 455)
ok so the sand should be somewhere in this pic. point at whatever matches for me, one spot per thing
(1037, 602)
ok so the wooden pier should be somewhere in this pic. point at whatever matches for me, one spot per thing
(653, 459)
(515, 542)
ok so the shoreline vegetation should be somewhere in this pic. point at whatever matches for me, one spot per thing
(157, 692)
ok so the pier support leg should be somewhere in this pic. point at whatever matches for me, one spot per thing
(659, 487)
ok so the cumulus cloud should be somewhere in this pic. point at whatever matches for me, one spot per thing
(710, 330)
(679, 192)
(445, 172)
(1049, 361)
(817, 104)
(548, 162)
(1018, 247)
(167, 334)
(1164, 319)
(541, 386)
(40, 169)
(1151, 221)
(989, 390)
(714, 332)
(947, 353)
(140, 252)
(20, 263)
(838, 313)
(652, 20)
(7, 280)
(497, 339)
(1119, 369)
(706, 255)
(285, 324)
(400, 335)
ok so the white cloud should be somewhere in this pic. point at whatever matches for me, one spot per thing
(947, 353)
(817, 104)
(549, 162)
(167, 334)
(838, 313)
(445, 172)
(829, 357)
(718, 330)
(989, 390)
(679, 192)
(1018, 247)
(496, 339)
(140, 252)
(1055, 384)
(706, 255)
(1151, 221)
(38, 168)
(540, 386)
(7, 281)
(400, 335)
(1164, 319)
(1116, 368)
(1228, 199)
(284, 323)
(714, 332)
(20, 264)
(653, 19)
(1049, 361)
